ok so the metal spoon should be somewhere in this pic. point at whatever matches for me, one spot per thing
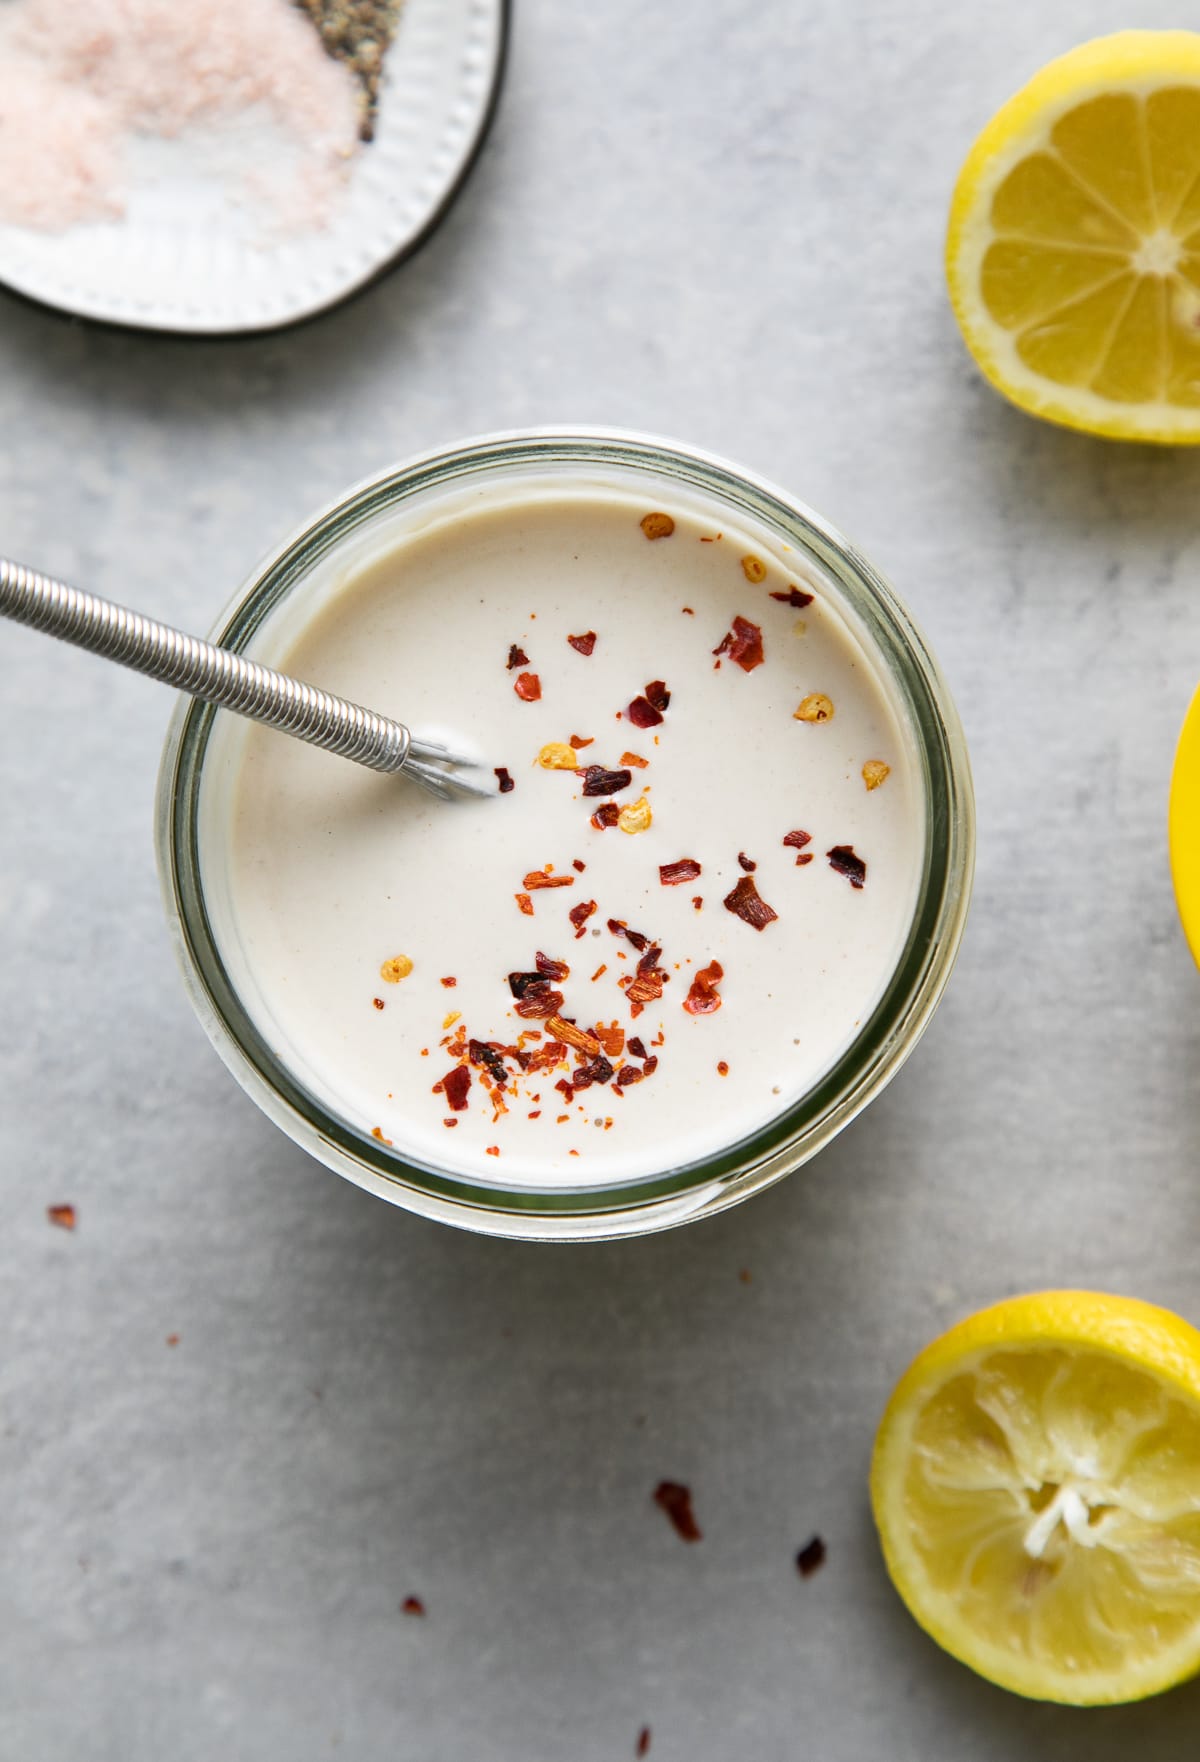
(219, 676)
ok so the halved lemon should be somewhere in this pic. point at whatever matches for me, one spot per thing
(1073, 251)
(1036, 1484)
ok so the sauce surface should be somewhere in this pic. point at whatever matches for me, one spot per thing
(329, 873)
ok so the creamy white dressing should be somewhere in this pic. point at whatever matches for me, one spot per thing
(317, 872)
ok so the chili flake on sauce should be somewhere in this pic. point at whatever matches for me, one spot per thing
(843, 858)
(743, 644)
(703, 999)
(671, 874)
(455, 1084)
(598, 781)
(579, 915)
(746, 903)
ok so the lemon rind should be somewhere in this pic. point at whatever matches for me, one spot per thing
(1183, 826)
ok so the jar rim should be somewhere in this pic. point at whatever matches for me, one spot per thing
(792, 1137)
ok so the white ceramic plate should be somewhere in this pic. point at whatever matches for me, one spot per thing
(184, 258)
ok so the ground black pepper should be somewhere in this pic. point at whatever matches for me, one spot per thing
(357, 33)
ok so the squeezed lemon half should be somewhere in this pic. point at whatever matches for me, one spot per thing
(1073, 251)
(1036, 1485)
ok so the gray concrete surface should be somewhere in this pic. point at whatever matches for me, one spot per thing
(722, 223)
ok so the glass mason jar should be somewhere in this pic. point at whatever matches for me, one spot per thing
(656, 470)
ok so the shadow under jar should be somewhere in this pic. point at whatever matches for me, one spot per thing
(705, 924)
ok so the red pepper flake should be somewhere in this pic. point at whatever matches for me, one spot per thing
(538, 1001)
(634, 759)
(456, 1083)
(606, 815)
(703, 999)
(519, 983)
(551, 969)
(688, 609)
(505, 781)
(597, 1070)
(743, 644)
(619, 927)
(172, 1339)
(698, 902)
(797, 840)
(746, 862)
(810, 1557)
(745, 903)
(722, 1069)
(598, 781)
(650, 959)
(412, 1606)
(516, 657)
(843, 859)
(577, 865)
(676, 1500)
(671, 874)
(376, 1132)
(450, 1123)
(628, 1074)
(794, 597)
(450, 983)
(646, 988)
(562, 1119)
(541, 878)
(579, 915)
(487, 1057)
(585, 644)
(636, 1047)
(658, 694)
(528, 687)
(581, 740)
(570, 1035)
(602, 968)
(524, 903)
(378, 1002)
(650, 1066)
(62, 1215)
(642, 1747)
(612, 1038)
(493, 1150)
(643, 714)
(535, 1114)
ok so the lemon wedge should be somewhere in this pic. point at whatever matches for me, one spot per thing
(1036, 1485)
(1073, 251)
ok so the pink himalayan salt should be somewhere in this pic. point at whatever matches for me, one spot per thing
(77, 80)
